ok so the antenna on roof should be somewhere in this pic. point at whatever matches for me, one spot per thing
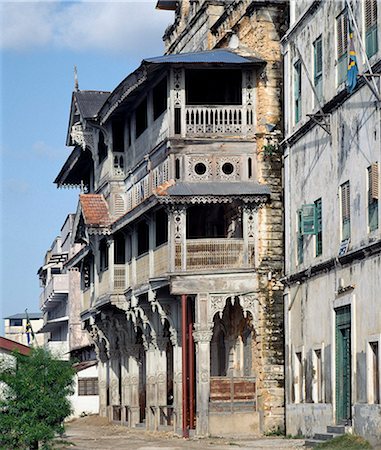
(76, 87)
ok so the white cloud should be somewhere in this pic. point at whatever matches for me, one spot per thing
(82, 26)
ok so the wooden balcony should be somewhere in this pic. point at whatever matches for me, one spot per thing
(55, 291)
(209, 254)
(142, 269)
(217, 120)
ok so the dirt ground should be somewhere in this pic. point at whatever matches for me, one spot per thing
(96, 433)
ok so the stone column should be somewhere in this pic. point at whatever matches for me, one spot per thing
(102, 384)
(133, 365)
(161, 379)
(202, 337)
(151, 401)
(124, 373)
(114, 380)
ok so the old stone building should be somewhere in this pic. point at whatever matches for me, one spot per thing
(60, 302)
(333, 239)
(180, 222)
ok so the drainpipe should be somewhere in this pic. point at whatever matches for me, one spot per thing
(191, 367)
(184, 364)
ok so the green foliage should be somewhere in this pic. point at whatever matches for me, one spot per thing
(35, 401)
(346, 442)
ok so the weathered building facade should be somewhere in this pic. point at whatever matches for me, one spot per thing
(181, 225)
(333, 219)
(62, 330)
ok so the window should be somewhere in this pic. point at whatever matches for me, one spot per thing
(373, 197)
(318, 67)
(103, 255)
(318, 228)
(102, 148)
(160, 98)
(371, 43)
(118, 135)
(15, 322)
(342, 46)
(345, 211)
(374, 373)
(300, 239)
(141, 118)
(297, 90)
(88, 386)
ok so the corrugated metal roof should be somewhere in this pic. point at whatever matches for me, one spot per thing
(218, 56)
(23, 316)
(217, 188)
(90, 102)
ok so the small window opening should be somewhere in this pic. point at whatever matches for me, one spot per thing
(177, 169)
(141, 117)
(143, 238)
(161, 227)
(160, 98)
(249, 168)
(200, 168)
(15, 322)
(227, 168)
(177, 120)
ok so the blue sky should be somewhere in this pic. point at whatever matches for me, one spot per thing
(40, 44)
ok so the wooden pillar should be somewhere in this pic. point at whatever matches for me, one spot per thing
(184, 366)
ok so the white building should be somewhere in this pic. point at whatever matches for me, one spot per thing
(15, 328)
(332, 157)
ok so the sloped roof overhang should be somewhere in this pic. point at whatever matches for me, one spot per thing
(74, 168)
(128, 90)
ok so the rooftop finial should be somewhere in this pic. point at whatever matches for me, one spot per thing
(76, 87)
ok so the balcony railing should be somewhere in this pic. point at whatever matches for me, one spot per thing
(119, 277)
(55, 290)
(161, 260)
(142, 269)
(202, 120)
(206, 254)
(59, 349)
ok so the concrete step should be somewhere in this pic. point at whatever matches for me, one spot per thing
(326, 436)
(310, 443)
(337, 429)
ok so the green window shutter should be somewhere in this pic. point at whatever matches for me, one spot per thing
(373, 196)
(319, 228)
(308, 219)
(318, 57)
(346, 210)
(297, 90)
(371, 42)
(300, 239)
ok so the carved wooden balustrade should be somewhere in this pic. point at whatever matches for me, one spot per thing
(218, 120)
